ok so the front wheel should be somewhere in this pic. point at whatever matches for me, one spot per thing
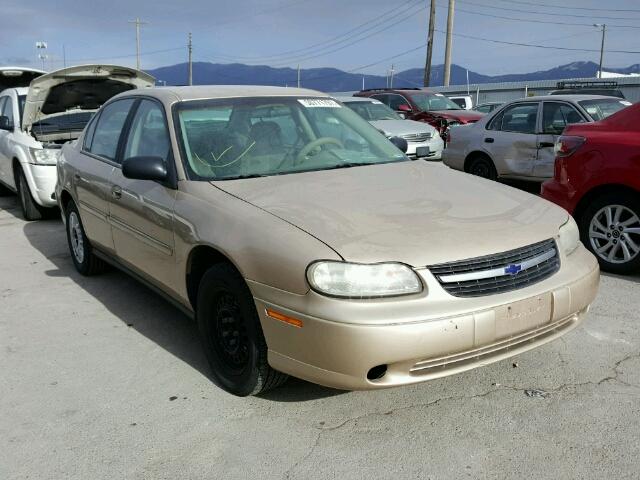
(231, 334)
(610, 228)
(30, 209)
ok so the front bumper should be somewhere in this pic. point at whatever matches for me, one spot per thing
(42, 181)
(424, 336)
(436, 145)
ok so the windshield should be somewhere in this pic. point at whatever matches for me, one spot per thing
(602, 108)
(433, 101)
(371, 111)
(234, 138)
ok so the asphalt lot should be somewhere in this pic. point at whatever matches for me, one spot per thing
(102, 379)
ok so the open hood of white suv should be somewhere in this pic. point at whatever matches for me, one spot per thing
(80, 88)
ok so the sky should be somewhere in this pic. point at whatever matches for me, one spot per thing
(364, 36)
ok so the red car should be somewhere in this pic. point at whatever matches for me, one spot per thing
(423, 106)
(597, 179)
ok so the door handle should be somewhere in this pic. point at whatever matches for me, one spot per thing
(116, 192)
(488, 140)
(77, 177)
(545, 144)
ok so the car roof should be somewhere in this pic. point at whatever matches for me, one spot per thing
(205, 92)
(567, 98)
(344, 99)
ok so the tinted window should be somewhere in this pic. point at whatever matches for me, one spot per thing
(7, 109)
(556, 116)
(3, 100)
(371, 111)
(396, 100)
(384, 98)
(148, 135)
(109, 127)
(22, 99)
(483, 108)
(433, 101)
(520, 118)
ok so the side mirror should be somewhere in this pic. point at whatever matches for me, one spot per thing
(6, 124)
(401, 143)
(145, 168)
(404, 108)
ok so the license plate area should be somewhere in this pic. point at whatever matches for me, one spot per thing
(422, 151)
(523, 315)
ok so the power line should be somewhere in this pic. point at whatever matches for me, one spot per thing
(571, 8)
(536, 21)
(379, 20)
(552, 14)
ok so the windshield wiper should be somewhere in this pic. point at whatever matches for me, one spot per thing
(240, 177)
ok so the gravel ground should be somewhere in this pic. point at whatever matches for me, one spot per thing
(102, 379)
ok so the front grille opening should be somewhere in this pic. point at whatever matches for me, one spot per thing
(377, 372)
(546, 252)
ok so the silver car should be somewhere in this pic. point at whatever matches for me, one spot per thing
(423, 140)
(517, 140)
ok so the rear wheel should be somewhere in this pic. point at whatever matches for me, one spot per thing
(610, 228)
(30, 209)
(231, 334)
(81, 250)
(482, 166)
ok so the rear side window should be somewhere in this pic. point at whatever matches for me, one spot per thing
(109, 128)
(148, 136)
(556, 116)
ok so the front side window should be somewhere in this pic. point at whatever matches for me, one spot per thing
(247, 137)
(372, 112)
(603, 107)
(148, 136)
(483, 108)
(519, 118)
(7, 110)
(556, 116)
(109, 128)
(433, 101)
(396, 100)
(22, 100)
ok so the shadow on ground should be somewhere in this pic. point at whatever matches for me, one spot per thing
(139, 308)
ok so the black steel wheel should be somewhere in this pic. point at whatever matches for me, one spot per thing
(231, 334)
(482, 166)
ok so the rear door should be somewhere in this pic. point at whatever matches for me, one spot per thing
(141, 211)
(555, 116)
(93, 168)
(510, 139)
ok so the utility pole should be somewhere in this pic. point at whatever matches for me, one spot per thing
(190, 80)
(298, 75)
(137, 23)
(42, 49)
(391, 76)
(604, 29)
(432, 22)
(447, 52)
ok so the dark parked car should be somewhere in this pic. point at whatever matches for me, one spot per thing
(597, 179)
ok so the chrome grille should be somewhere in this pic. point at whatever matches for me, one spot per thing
(417, 137)
(498, 273)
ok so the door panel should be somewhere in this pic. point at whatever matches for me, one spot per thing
(141, 211)
(94, 167)
(511, 138)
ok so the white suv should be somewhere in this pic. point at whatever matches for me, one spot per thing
(37, 120)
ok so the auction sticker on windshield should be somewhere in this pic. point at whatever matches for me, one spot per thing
(319, 102)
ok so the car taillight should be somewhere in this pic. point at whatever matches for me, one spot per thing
(566, 145)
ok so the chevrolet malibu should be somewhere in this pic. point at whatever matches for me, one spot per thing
(305, 243)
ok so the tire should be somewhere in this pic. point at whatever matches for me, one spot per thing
(4, 191)
(30, 209)
(231, 334)
(482, 166)
(84, 259)
(617, 249)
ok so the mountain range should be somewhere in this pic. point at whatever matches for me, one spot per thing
(334, 80)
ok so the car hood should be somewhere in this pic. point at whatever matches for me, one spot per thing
(80, 88)
(412, 212)
(462, 116)
(402, 127)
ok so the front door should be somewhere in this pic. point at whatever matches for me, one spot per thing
(95, 165)
(5, 155)
(141, 211)
(510, 140)
(555, 116)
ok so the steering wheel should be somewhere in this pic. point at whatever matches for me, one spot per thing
(306, 150)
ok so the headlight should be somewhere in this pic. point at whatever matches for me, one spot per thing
(352, 280)
(569, 236)
(45, 156)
